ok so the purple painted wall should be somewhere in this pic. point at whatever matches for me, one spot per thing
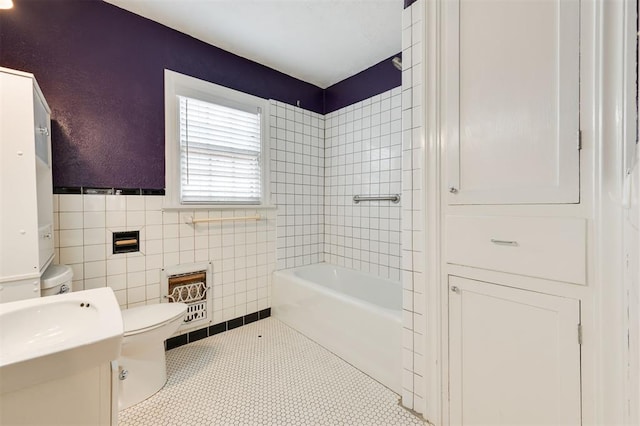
(379, 78)
(101, 69)
(408, 3)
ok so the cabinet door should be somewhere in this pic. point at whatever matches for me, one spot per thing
(514, 356)
(512, 101)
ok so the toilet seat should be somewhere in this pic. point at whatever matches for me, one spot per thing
(144, 318)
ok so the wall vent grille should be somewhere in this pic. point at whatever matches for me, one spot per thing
(190, 284)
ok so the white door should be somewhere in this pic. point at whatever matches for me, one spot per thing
(514, 356)
(511, 113)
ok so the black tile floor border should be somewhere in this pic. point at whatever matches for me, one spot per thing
(197, 335)
(251, 318)
(265, 313)
(174, 342)
(192, 336)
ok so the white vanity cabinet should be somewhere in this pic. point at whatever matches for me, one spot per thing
(513, 102)
(86, 397)
(26, 193)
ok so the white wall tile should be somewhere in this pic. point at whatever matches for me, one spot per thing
(135, 219)
(70, 255)
(91, 283)
(70, 203)
(93, 203)
(94, 219)
(366, 161)
(116, 219)
(95, 269)
(115, 203)
(94, 252)
(153, 203)
(70, 238)
(297, 179)
(69, 220)
(135, 295)
(94, 236)
(136, 202)
(412, 215)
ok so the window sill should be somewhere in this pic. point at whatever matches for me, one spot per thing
(183, 207)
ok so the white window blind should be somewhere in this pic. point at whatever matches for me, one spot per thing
(219, 154)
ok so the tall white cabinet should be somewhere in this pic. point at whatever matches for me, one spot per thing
(26, 194)
(515, 225)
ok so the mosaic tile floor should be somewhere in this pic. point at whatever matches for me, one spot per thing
(265, 373)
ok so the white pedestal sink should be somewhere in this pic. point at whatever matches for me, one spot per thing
(56, 348)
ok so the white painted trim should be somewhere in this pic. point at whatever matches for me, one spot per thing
(608, 297)
(631, 234)
(431, 135)
(176, 84)
(630, 89)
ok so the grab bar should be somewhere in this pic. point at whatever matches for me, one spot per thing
(394, 198)
(191, 221)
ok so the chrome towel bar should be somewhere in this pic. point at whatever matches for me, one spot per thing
(394, 198)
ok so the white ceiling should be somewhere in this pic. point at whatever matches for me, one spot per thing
(318, 41)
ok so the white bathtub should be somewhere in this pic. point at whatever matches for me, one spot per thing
(354, 315)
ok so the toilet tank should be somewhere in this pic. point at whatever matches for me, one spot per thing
(56, 280)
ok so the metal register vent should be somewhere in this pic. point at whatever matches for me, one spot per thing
(191, 288)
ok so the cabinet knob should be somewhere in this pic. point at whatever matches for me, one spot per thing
(455, 289)
(453, 189)
(43, 131)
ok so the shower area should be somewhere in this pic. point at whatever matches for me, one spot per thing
(352, 303)
(348, 186)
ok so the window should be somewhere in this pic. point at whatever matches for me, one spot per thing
(215, 144)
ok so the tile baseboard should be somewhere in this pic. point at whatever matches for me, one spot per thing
(212, 330)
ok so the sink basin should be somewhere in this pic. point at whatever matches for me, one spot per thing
(47, 338)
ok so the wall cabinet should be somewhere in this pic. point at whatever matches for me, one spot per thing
(26, 193)
(514, 356)
(512, 91)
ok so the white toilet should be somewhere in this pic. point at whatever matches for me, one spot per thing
(142, 363)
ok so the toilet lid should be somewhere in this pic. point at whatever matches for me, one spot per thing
(147, 316)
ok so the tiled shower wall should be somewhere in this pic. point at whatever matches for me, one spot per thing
(413, 210)
(242, 253)
(363, 156)
(297, 183)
